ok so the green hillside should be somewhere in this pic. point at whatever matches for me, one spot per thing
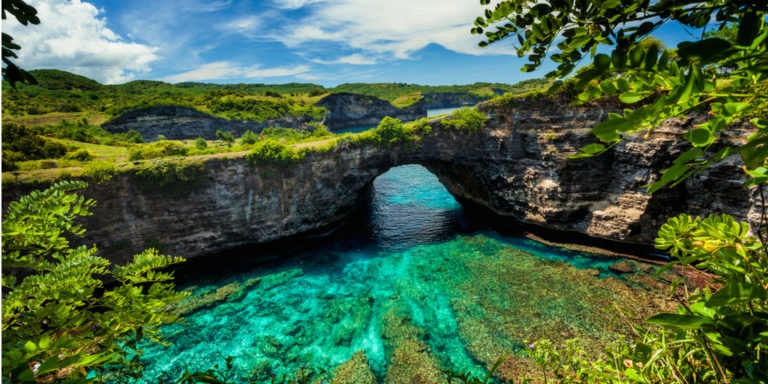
(62, 95)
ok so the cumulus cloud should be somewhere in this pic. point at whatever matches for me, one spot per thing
(222, 70)
(392, 28)
(72, 37)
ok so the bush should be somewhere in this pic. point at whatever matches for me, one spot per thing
(130, 137)
(200, 143)
(76, 130)
(465, 119)
(282, 134)
(27, 144)
(317, 92)
(99, 171)
(59, 318)
(81, 154)
(225, 137)
(156, 150)
(249, 138)
(274, 152)
(161, 137)
(172, 178)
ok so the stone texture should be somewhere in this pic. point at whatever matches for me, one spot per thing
(518, 167)
(352, 110)
(452, 99)
(621, 267)
(179, 123)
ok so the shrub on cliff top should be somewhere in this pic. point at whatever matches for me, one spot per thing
(465, 119)
(99, 170)
(390, 132)
(165, 148)
(274, 152)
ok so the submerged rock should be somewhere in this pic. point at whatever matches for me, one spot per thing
(354, 371)
(621, 267)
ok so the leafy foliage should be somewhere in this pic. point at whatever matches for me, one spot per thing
(714, 337)
(664, 83)
(24, 14)
(21, 144)
(158, 149)
(59, 319)
(249, 138)
(99, 170)
(226, 137)
(274, 152)
(466, 119)
(200, 143)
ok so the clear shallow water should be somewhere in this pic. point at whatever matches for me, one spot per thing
(424, 291)
(442, 111)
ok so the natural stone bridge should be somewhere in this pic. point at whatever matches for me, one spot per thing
(517, 168)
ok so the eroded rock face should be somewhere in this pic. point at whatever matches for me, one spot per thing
(518, 167)
(352, 110)
(179, 123)
(452, 99)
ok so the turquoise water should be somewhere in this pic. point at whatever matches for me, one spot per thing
(420, 275)
(442, 111)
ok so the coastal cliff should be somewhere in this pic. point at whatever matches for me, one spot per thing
(516, 167)
(352, 110)
(453, 99)
(180, 123)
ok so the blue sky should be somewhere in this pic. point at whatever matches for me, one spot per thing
(326, 42)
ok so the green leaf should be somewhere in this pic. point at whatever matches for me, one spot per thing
(749, 27)
(630, 97)
(735, 292)
(651, 56)
(30, 347)
(593, 148)
(602, 62)
(705, 51)
(688, 156)
(682, 322)
(622, 84)
(700, 137)
(609, 127)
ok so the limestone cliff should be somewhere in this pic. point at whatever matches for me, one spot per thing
(352, 110)
(180, 123)
(452, 99)
(516, 167)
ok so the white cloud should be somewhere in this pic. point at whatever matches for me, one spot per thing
(293, 4)
(72, 37)
(222, 70)
(247, 26)
(392, 28)
(356, 59)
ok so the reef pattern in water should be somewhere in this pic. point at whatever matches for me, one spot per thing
(415, 300)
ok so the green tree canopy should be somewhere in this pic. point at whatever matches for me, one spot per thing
(659, 83)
